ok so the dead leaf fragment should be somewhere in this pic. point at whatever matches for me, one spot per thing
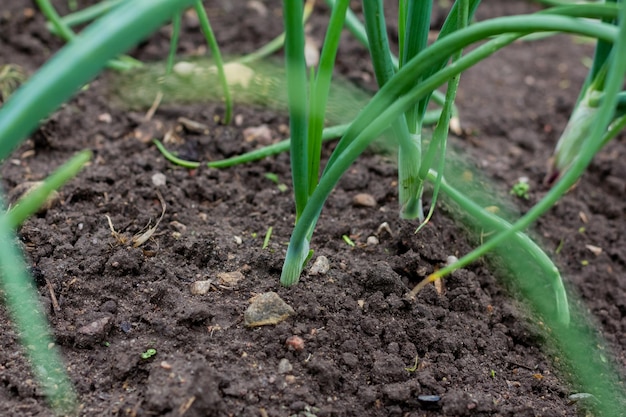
(193, 126)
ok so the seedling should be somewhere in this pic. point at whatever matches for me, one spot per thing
(148, 354)
(274, 178)
(348, 241)
(268, 235)
(521, 189)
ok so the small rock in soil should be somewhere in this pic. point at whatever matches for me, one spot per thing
(364, 200)
(295, 342)
(284, 366)
(95, 331)
(259, 134)
(126, 327)
(181, 228)
(320, 266)
(265, 309)
(201, 287)
(230, 279)
(109, 306)
(429, 402)
(159, 179)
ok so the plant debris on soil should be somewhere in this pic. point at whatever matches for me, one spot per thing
(353, 345)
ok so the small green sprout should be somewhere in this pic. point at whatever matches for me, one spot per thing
(349, 241)
(274, 178)
(559, 248)
(492, 373)
(521, 188)
(148, 353)
(268, 235)
(584, 262)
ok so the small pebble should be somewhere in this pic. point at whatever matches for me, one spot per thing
(429, 401)
(159, 179)
(364, 200)
(451, 260)
(295, 342)
(126, 327)
(372, 241)
(180, 228)
(320, 266)
(284, 366)
(105, 118)
(96, 327)
(201, 287)
(267, 309)
(258, 7)
(261, 134)
(94, 332)
(230, 278)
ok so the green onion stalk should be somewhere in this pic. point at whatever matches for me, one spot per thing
(307, 112)
(579, 125)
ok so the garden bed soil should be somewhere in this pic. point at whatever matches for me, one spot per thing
(367, 351)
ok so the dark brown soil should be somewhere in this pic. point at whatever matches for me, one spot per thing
(476, 349)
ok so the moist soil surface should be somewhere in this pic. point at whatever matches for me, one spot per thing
(466, 348)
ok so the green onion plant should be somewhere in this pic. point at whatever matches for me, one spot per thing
(397, 107)
(397, 113)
